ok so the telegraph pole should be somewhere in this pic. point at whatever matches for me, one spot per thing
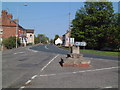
(69, 30)
(17, 28)
(17, 23)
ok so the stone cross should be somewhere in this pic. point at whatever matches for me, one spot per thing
(75, 50)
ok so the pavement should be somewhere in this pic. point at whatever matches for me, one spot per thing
(38, 67)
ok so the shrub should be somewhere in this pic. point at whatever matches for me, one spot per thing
(10, 42)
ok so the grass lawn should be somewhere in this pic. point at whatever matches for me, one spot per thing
(107, 53)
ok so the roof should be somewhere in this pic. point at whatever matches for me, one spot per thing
(10, 20)
(29, 30)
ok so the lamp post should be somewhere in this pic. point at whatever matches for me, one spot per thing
(69, 31)
(17, 23)
(17, 29)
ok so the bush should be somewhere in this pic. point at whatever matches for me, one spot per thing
(10, 42)
(29, 44)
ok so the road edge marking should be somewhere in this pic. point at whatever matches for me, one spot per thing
(32, 50)
(33, 77)
(46, 47)
(49, 63)
(93, 70)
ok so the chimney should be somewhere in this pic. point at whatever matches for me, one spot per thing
(9, 16)
(16, 20)
(4, 13)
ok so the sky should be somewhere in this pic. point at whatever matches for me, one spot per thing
(49, 18)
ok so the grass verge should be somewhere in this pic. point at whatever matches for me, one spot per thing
(107, 53)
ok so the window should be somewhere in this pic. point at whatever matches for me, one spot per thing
(30, 35)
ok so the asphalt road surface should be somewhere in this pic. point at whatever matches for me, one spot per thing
(53, 49)
(38, 67)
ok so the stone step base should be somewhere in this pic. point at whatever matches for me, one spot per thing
(77, 65)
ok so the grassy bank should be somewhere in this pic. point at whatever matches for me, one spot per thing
(107, 53)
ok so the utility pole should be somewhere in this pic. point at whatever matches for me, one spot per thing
(17, 23)
(17, 28)
(69, 30)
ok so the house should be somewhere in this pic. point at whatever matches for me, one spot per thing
(9, 27)
(1, 31)
(58, 41)
(30, 36)
(66, 38)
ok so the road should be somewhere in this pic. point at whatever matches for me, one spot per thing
(38, 67)
(53, 49)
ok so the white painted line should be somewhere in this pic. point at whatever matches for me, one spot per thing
(108, 87)
(19, 52)
(49, 62)
(28, 82)
(79, 71)
(32, 50)
(34, 76)
(22, 87)
(44, 75)
(48, 75)
(46, 47)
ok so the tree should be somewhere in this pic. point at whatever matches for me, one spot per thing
(94, 24)
(10, 42)
(36, 39)
(51, 41)
(56, 37)
(41, 38)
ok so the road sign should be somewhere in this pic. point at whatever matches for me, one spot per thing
(77, 43)
(80, 43)
(83, 43)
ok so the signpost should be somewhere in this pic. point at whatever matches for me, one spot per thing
(81, 44)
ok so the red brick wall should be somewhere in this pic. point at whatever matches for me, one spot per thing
(9, 31)
(9, 26)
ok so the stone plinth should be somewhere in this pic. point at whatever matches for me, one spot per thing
(73, 55)
(75, 49)
(75, 59)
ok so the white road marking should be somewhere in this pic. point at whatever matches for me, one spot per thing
(108, 87)
(33, 77)
(46, 47)
(80, 71)
(32, 50)
(28, 82)
(48, 75)
(49, 62)
(19, 52)
(22, 87)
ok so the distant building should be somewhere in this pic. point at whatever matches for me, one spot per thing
(1, 32)
(30, 36)
(9, 25)
(58, 41)
(66, 38)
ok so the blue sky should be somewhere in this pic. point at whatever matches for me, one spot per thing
(47, 18)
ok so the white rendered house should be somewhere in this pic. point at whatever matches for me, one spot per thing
(58, 41)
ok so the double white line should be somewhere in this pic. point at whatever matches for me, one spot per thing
(33, 77)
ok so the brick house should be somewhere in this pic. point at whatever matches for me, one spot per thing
(66, 38)
(1, 32)
(30, 36)
(9, 25)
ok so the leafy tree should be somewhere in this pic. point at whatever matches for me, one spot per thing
(36, 39)
(41, 38)
(95, 24)
(56, 37)
(51, 41)
(10, 42)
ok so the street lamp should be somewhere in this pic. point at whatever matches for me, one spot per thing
(17, 23)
